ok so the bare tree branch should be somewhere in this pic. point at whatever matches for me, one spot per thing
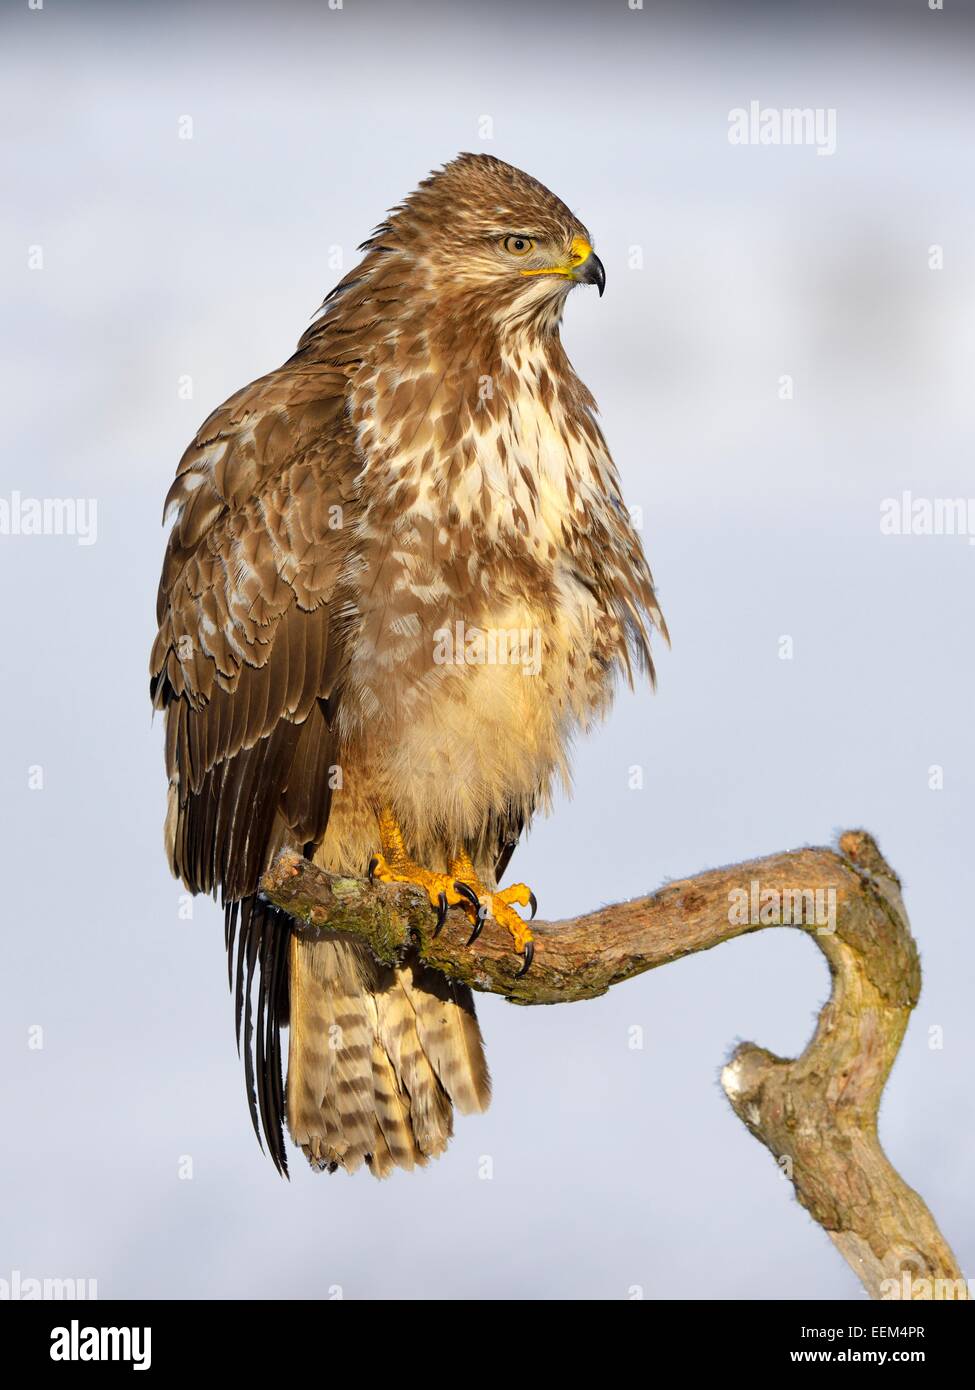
(817, 1114)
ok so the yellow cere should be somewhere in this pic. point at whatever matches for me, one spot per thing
(579, 251)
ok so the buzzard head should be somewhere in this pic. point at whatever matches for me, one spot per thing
(487, 241)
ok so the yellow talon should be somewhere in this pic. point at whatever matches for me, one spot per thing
(518, 893)
(403, 870)
(508, 918)
(460, 886)
(498, 903)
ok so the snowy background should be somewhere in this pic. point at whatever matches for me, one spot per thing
(166, 259)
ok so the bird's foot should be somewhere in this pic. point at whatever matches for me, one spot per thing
(459, 887)
(499, 906)
(441, 889)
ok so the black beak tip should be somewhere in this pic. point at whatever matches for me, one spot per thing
(594, 273)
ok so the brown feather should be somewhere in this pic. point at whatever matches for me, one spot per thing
(330, 519)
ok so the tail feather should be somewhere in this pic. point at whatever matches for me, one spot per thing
(330, 1083)
(431, 1116)
(398, 1148)
(448, 1032)
(378, 1057)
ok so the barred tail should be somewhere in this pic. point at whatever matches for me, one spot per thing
(378, 1058)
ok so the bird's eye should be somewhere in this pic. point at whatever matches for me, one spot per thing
(517, 245)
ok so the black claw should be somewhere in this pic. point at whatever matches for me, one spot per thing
(373, 864)
(529, 957)
(466, 891)
(533, 904)
(478, 925)
(441, 913)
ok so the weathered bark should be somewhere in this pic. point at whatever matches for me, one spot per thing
(817, 1114)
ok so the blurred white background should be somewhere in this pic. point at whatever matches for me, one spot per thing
(166, 258)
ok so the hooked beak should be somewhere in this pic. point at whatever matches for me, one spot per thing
(591, 271)
(583, 267)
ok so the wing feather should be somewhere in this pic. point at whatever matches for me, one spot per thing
(245, 665)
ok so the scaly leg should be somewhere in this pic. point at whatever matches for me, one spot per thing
(460, 886)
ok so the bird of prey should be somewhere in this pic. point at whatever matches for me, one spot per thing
(400, 578)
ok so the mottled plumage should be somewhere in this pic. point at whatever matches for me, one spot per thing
(427, 458)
